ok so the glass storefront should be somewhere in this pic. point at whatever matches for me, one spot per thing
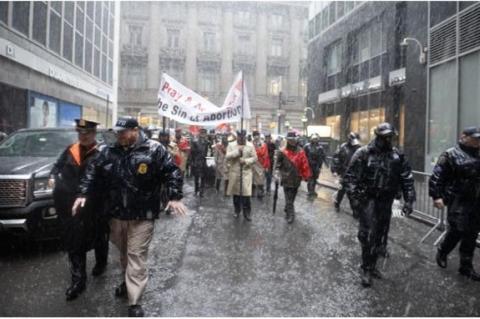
(364, 122)
(452, 109)
(335, 123)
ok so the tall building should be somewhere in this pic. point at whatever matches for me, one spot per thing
(58, 62)
(204, 44)
(414, 64)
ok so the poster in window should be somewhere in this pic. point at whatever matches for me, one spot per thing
(43, 112)
(68, 113)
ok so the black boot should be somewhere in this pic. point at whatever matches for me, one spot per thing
(466, 269)
(75, 290)
(247, 215)
(337, 206)
(376, 274)
(260, 191)
(135, 311)
(290, 217)
(99, 269)
(121, 290)
(366, 278)
(225, 187)
(217, 185)
(441, 259)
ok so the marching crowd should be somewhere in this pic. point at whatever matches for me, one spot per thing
(116, 192)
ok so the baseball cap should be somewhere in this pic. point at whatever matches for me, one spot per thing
(124, 123)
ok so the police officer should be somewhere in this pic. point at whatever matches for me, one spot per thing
(89, 229)
(198, 155)
(341, 160)
(455, 182)
(132, 171)
(316, 158)
(375, 174)
(291, 167)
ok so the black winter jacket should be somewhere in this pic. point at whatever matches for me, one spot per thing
(342, 157)
(456, 175)
(374, 173)
(316, 157)
(133, 179)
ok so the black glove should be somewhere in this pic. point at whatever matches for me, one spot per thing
(407, 209)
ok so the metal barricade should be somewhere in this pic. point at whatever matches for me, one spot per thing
(424, 210)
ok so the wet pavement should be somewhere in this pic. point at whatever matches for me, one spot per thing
(211, 264)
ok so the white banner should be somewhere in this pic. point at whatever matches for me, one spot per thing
(181, 104)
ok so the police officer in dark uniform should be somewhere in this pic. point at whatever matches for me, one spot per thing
(316, 158)
(376, 172)
(89, 229)
(455, 182)
(199, 153)
(341, 160)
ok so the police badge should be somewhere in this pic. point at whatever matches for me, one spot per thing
(142, 168)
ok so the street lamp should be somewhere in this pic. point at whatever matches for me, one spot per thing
(422, 57)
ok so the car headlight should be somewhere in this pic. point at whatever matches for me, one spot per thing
(41, 187)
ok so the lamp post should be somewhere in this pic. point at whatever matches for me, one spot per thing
(422, 57)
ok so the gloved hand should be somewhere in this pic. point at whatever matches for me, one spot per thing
(407, 209)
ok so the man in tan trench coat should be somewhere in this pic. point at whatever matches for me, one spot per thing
(241, 157)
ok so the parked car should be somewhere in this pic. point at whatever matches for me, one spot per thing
(26, 158)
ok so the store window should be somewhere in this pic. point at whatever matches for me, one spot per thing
(334, 122)
(365, 122)
(469, 104)
(443, 110)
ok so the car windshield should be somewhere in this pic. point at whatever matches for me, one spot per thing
(37, 143)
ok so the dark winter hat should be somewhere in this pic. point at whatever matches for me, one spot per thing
(268, 135)
(84, 126)
(385, 129)
(472, 131)
(241, 133)
(163, 133)
(291, 135)
(255, 133)
(125, 123)
(202, 130)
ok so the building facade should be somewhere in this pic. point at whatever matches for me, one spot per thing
(205, 44)
(362, 71)
(58, 62)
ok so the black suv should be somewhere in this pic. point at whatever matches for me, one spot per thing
(26, 158)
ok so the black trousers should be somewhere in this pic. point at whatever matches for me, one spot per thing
(200, 184)
(78, 257)
(467, 241)
(268, 180)
(242, 203)
(290, 195)
(312, 182)
(374, 224)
